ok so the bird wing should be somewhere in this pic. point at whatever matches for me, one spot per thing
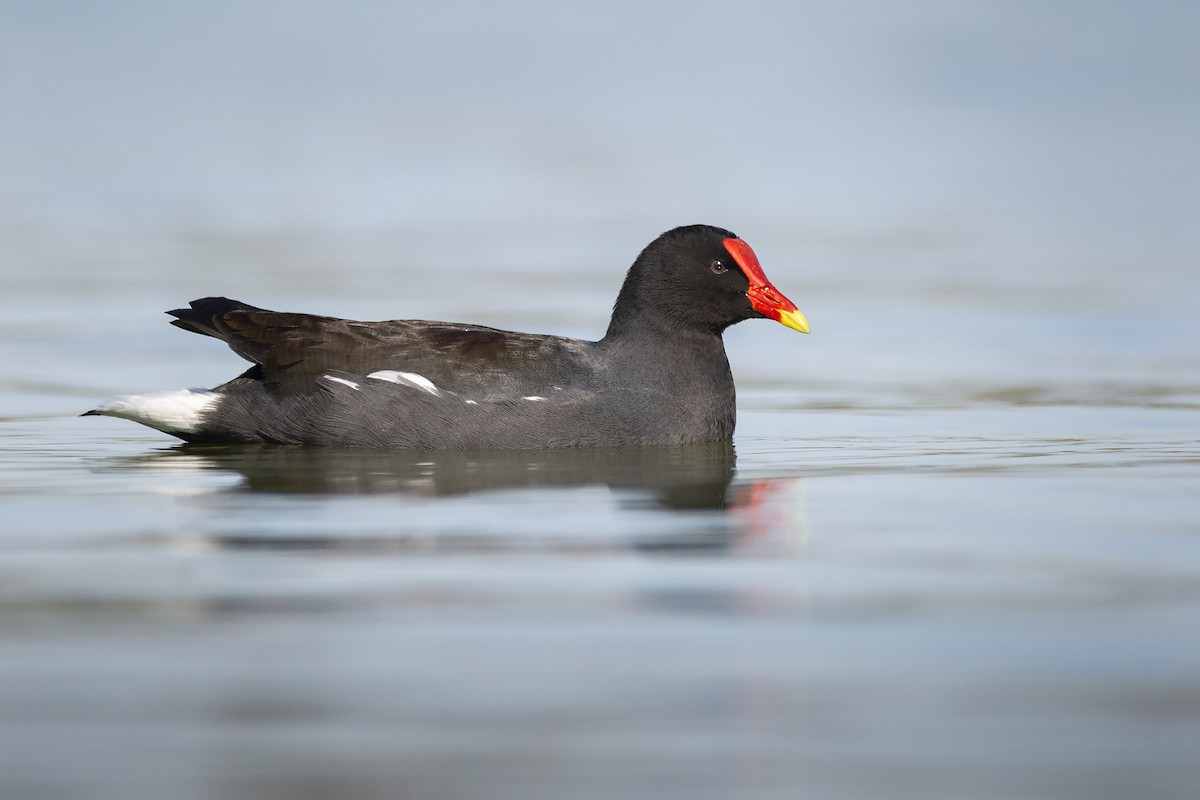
(293, 350)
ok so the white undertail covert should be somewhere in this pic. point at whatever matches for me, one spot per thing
(178, 411)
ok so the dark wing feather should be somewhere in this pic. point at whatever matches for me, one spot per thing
(293, 350)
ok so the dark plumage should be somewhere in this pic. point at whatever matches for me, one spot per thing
(659, 375)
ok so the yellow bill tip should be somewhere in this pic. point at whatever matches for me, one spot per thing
(794, 320)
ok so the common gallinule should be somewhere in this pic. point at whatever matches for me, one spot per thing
(659, 375)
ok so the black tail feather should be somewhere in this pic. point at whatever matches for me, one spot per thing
(203, 314)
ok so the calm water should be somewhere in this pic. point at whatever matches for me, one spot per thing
(953, 552)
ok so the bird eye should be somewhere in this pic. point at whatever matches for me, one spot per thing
(717, 267)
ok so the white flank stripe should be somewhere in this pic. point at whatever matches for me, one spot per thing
(176, 411)
(534, 398)
(343, 381)
(406, 379)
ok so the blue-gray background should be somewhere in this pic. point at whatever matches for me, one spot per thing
(963, 549)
